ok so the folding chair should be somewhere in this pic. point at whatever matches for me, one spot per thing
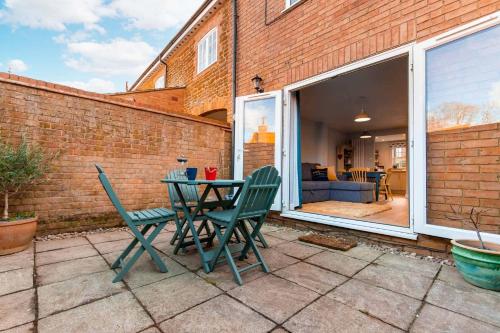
(157, 217)
(254, 203)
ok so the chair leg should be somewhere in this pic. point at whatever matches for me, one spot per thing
(259, 235)
(250, 240)
(178, 228)
(129, 248)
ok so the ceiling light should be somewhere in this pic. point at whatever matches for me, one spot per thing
(365, 135)
(362, 116)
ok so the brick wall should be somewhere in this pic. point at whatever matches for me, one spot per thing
(210, 89)
(257, 155)
(169, 99)
(320, 35)
(135, 145)
(463, 170)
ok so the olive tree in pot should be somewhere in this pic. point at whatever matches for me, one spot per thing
(21, 166)
(478, 261)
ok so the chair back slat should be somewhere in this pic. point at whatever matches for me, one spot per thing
(189, 192)
(359, 174)
(258, 193)
(111, 193)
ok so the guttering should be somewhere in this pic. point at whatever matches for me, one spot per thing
(235, 47)
(204, 9)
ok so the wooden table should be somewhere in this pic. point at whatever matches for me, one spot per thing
(377, 175)
(211, 185)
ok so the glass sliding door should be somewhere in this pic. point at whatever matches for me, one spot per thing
(258, 135)
(460, 82)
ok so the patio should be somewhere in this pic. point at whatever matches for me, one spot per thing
(65, 285)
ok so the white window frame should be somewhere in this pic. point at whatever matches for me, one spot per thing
(204, 42)
(289, 161)
(290, 3)
(160, 84)
(420, 158)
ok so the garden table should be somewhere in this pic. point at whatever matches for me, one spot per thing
(211, 185)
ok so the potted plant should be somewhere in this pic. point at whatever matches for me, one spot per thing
(478, 261)
(20, 166)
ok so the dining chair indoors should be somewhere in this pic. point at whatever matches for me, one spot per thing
(254, 203)
(139, 222)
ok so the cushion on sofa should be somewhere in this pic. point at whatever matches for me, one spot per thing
(332, 175)
(312, 185)
(320, 174)
(351, 186)
(307, 170)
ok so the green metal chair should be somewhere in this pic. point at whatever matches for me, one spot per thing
(155, 217)
(255, 201)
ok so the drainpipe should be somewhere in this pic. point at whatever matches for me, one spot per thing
(166, 68)
(235, 46)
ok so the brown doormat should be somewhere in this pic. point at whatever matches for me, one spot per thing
(329, 242)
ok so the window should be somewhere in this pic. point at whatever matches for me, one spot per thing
(207, 50)
(160, 82)
(399, 156)
(290, 3)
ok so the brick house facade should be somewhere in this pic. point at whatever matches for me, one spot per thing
(210, 89)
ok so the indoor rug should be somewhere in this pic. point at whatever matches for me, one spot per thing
(340, 208)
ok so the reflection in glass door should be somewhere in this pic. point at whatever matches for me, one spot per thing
(258, 134)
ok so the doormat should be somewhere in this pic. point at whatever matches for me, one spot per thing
(329, 242)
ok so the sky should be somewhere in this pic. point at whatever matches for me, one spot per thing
(96, 45)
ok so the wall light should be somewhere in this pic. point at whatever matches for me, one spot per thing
(257, 83)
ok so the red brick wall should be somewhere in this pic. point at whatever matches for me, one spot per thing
(463, 170)
(210, 89)
(320, 35)
(136, 147)
(171, 99)
(257, 155)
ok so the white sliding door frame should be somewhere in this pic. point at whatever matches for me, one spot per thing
(420, 122)
(289, 158)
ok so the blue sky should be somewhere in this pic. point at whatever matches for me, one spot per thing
(95, 45)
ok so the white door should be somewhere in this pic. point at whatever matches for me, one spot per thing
(258, 125)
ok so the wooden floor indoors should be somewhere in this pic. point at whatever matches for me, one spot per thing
(397, 215)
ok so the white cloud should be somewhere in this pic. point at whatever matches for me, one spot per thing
(118, 57)
(54, 14)
(94, 85)
(155, 14)
(17, 66)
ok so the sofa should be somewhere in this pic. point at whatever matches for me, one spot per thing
(339, 190)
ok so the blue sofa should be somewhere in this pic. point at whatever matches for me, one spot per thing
(339, 190)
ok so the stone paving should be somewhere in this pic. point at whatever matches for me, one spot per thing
(65, 286)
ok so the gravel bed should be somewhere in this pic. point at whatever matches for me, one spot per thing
(78, 234)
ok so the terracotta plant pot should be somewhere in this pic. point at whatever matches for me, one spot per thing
(479, 267)
(16, 236)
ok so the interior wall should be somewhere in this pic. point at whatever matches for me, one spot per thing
(319, 142)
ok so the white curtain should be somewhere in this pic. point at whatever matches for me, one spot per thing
(363, 153)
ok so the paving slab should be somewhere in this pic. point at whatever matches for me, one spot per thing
(274, 297)
(163, 237)
(166, 298)
(434, 319)
(451, 276)
(108, 236)
(56, 244)
(338, 263)
(390, 307)
(267, 228)
(13, 281)
(117, 313)
(83, 289)
(222, 276)
(19, 260)
(403, 282)
(312, 277)
(17, 309)
(113, 246)
(272, 241)
(422, 267)
(275, 260)
(287, 234)
(329, 316)
(27, 328)
(50, 257)
(221, 314)
(145, 271)
(361, 252)
(297, 250)
(151, 330)
(189, 259)
(279, 330)
(66, 270)
(481, 306)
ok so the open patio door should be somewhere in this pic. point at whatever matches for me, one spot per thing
(258, 125)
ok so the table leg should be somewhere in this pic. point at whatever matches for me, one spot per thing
(377, 186)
